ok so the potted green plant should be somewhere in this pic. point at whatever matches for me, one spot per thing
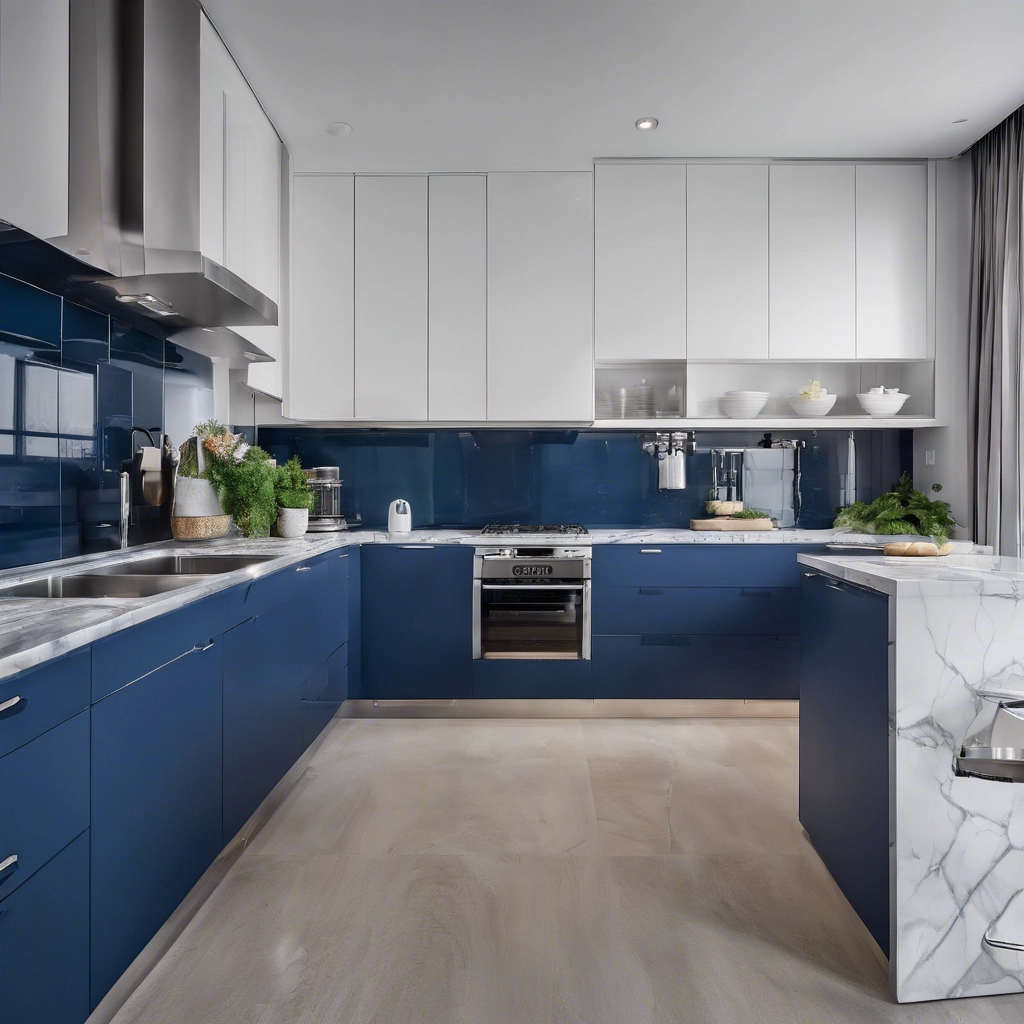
(196, 513)
(244, 477)
(294, 499)
(903, 510)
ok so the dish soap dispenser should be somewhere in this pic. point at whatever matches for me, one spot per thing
(399, 517)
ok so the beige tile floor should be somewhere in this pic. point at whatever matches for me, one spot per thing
(526, 872)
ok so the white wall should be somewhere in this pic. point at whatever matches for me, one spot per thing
(952, 467)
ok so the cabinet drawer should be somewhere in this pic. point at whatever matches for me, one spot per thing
(44, 942)
(697, 565)
(330, 681)
(48, 695)
(772, 611)
(45, 786)
(121, 659)
(528, 679)
(706, 667)
(269, 592)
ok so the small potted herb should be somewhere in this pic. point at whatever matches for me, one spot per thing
(294, 499)
(903, 510)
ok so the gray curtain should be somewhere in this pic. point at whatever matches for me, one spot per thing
(995, 352)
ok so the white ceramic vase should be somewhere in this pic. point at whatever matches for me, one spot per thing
(292, 522)
(195, 497)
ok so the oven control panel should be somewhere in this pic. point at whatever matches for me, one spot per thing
(524, 564)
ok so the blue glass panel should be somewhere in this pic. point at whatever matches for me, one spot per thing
(89, 497)
(598, 478)
(29, 316)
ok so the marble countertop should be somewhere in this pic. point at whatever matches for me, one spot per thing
(951, 575)
(35, 630)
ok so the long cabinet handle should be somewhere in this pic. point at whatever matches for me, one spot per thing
(8, 863)
(10, 703)
(650, 551)
(304, 568)
(417, 547)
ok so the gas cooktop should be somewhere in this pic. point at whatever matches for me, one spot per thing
(527, 529)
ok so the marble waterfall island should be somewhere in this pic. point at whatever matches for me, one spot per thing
(891, 668)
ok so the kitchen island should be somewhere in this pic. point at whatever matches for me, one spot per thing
(893, 654)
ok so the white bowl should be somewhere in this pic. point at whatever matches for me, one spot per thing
(743, 405)
(804, 406)
(882, 406)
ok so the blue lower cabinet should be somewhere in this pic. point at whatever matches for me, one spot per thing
(844, 740)
(44, 943)
(43, 697)
(767, 611)
(45, 803)
(525, 678)
(263, 733)
(417, 615)
(698, 565)
(696, 667)
(156, 804)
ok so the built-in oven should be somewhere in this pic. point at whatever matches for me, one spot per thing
(531, 602)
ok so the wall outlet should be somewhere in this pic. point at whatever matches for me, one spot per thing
(929, 458)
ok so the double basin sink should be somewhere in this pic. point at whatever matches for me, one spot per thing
(142, 577)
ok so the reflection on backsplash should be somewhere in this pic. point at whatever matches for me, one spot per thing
(598, 478)
(73, 382)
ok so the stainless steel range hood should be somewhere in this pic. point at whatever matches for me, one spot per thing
(133, 245)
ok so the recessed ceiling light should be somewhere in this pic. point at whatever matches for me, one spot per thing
(339, 128)
(960, 120)
(646, 124)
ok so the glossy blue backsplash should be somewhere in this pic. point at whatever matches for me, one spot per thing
(598, 478)
(73, 382)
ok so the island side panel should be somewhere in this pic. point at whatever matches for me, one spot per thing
(959, 842)
(845, 780)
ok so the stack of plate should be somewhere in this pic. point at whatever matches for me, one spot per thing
(636, 402)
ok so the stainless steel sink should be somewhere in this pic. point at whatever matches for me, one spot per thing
(98, 586)
(182, 565)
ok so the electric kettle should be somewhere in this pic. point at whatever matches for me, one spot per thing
(399, 517)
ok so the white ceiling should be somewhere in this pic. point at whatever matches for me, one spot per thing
(527, 84)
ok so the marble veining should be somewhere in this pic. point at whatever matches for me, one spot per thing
(958, 626)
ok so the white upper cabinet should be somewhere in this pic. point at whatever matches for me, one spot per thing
(457, 275)
(34, 115)
(320, 351)
(812, 261)
(640, 261)
(391, 297)
(540, 278)
(892, 261)
(727, 261)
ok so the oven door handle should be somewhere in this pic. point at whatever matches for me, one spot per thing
(531, 586)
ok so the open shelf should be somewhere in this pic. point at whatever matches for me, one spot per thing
(773, 423)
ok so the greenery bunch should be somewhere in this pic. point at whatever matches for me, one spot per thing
(291, 487)
(245, 484)
(902, 510)
(750, 513)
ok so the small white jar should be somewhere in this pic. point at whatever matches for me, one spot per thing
(292, 522)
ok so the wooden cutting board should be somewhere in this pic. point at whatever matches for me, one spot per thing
(724, 523)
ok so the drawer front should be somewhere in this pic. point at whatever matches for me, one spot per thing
(45, 787)
(269, 592)
(704, 667)
(121, 659)
(44, 943)
(330, 681)
(528, 679)
(43, 697)
(697, 565)
(772, 611)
